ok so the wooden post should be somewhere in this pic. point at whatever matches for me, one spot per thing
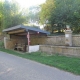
(28, 37)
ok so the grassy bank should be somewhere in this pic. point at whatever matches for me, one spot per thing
(71, 64)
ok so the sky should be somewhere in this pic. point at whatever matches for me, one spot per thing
(28, 3)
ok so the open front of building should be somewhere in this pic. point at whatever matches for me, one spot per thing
(22, 38)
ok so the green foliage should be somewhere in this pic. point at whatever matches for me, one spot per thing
(62, 12)
(46, 10)
(34, 12)
(1, 15)
(10, 14)
(1, 44)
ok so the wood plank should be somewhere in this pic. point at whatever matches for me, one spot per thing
(16, 31)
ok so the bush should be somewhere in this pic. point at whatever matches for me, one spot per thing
(57, 34)
(1, 44)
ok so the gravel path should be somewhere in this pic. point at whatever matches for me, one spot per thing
(16, 68)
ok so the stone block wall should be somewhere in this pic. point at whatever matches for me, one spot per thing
(62, 50)
(76, 40)
(55, 40)
(60, 40)
(10, 43)
(43, 40)
(36, 40)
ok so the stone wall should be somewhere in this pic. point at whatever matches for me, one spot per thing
(60, 40)
(62, 50)
(10, 42)
(56, 45)
(43, 40)
(34, 40)
(76, 40)
(55, 40)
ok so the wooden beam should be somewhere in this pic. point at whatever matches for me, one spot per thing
(16, 31)
(22, 33)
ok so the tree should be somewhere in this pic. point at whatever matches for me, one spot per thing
(63, 12)
(34, 14)
(10, 14)
(46, 10)
(1, 15)
(45, 14)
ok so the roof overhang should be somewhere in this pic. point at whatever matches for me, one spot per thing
(22, 30)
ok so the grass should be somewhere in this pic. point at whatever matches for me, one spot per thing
(70, 64)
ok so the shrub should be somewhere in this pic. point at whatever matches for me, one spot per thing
(1, 44)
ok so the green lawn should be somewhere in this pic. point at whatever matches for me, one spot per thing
(71, 64)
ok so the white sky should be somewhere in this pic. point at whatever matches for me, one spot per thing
(28, 3)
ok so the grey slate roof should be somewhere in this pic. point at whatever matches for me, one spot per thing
(27, 28)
